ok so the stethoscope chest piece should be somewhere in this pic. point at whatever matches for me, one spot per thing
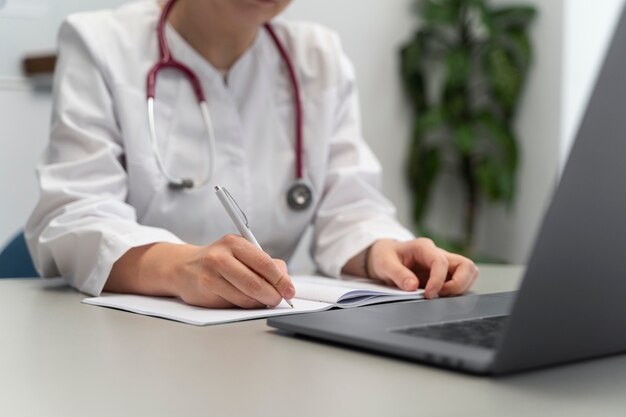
(299, 196)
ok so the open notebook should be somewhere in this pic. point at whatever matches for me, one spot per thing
(313, 293)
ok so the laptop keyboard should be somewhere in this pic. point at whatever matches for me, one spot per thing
(481, 332)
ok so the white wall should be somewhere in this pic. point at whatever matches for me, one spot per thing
(509, 234)
(30, 26)
(24, 108)
(588, 28)
(24, 120)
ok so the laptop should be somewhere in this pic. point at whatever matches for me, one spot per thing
(572, 302)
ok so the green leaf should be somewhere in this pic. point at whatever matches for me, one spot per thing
(424, 165)
(454, 104)
(488, 179)
(519, 45)
(504, 76)
(412, 77)
(455, 99)
(440, 12)
(414, 58)
(497, 168)
(424, 162)
(486, 17)
(513, 17)
(502, 138)
(433, 119)
(458, 67)
(464, 137)
(496, 183)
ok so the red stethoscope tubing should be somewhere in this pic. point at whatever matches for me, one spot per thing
(166, 60)
(296, 97)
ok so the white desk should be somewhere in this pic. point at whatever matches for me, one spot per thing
(59, 357)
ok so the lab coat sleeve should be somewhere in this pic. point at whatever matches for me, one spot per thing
(352, 213)
(82, 224)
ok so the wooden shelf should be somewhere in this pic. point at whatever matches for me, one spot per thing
(34, 66)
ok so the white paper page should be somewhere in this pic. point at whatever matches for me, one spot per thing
(332, 290)
(174, 309)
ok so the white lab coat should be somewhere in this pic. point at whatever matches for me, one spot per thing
(101, 192)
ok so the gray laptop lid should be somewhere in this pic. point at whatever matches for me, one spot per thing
(572, 303)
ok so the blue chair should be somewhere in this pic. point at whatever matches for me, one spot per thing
(15, 260)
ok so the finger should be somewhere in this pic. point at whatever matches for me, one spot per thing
(429, 254)
(219, 302)
(463, 277)
(473, 270)
(282, 265)
(231, 295)
(249, 283)
(424, 257)
(284, 285)
(474, 276)
(215, 292)
(265, 267)
(393, 270)
(436, 278)
(210, 301)
(387, 281)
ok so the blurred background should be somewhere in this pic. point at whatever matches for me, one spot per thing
(569, 38)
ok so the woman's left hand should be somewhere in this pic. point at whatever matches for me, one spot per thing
(420, 263)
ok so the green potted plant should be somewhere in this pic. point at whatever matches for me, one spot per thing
(464, 70)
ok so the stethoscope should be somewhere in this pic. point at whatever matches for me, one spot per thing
(299, 195)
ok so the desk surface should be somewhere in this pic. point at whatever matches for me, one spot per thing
(59, 357)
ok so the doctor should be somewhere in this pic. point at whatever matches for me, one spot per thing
(269, 111)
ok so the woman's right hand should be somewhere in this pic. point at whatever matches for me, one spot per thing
(231, 272)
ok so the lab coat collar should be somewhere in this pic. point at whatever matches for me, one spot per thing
(184, 52)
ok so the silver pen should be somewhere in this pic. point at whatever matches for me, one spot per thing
(239, 218)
